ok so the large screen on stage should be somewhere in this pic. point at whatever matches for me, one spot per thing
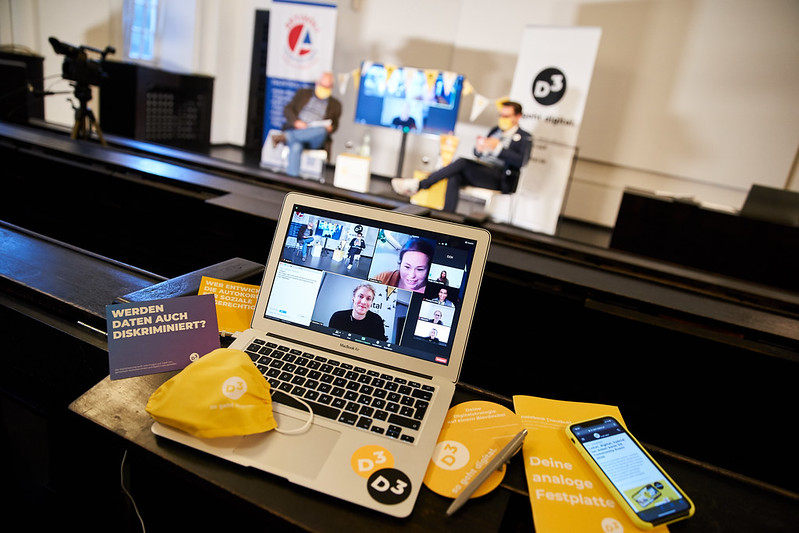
(409, 99)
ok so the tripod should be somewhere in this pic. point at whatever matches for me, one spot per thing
(84, 117)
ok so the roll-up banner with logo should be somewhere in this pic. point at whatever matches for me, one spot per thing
(552, 78)
(301, 41)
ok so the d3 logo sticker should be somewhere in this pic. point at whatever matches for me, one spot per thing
(367, 459)
(389, 486)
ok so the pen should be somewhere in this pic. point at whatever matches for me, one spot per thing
(496, 463)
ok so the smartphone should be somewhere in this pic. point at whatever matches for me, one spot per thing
(644, 491)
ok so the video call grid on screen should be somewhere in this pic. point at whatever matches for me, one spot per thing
(410, 99)
(417, 300)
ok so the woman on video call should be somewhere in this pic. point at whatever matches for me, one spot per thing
(414, 265)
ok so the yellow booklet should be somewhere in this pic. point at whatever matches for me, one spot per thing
(235, 303)
(566, 495)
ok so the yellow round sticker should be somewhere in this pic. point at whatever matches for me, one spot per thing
(368, 459)
(473, 433)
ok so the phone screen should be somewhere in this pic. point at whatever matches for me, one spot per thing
(644, 486)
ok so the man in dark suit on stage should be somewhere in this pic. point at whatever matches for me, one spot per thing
(311, 117)
(498, 158)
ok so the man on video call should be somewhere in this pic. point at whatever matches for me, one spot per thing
(498, 158)
(304, 113)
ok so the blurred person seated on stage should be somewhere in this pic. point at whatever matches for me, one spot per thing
(311, 117)
(498, 158)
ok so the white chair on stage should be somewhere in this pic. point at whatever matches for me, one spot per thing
(312, 163)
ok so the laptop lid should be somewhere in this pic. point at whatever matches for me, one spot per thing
(423, 275)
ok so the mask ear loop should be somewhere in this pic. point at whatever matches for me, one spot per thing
(305, 426)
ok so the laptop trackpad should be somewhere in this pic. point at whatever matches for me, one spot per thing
(303, 454)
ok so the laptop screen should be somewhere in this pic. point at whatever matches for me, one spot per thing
(367, 281)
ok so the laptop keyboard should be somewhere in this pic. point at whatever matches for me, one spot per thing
(367, 399)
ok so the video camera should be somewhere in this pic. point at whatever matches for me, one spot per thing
(77, 65)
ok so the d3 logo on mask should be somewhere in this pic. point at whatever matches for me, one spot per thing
(234, 387)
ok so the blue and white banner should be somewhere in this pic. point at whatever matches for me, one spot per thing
(552, 78)
(302, 38)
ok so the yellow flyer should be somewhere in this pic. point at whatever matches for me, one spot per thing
(566, 495)
(235, 303)
(473, 433)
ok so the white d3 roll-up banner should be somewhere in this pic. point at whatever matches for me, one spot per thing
(302, 38)
(552, 78)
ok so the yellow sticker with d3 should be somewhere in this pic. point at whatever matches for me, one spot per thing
(473, 433)
(368, 459)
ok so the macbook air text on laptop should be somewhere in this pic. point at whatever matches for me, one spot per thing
(364, 314)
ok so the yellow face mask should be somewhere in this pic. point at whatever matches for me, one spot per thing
(222, 394)
(323, 93)
(505, 123)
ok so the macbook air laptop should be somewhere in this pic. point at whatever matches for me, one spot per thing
(363, 314)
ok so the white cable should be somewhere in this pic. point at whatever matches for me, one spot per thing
(128, 494)
(305, 426)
